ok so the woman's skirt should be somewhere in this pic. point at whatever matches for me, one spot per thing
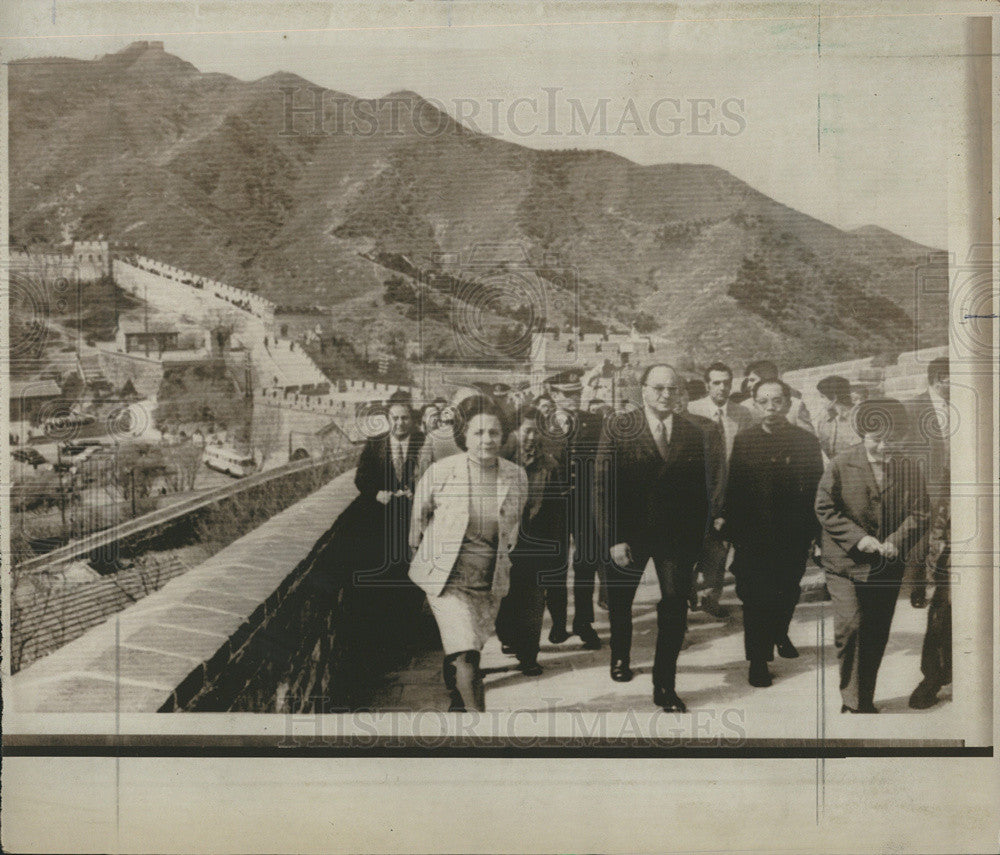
(465, 618)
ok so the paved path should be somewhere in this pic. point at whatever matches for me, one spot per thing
(711, 676)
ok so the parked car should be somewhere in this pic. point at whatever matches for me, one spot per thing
(31, 456)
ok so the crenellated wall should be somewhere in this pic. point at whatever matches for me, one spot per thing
(180, 290)
(85, 261)
(574, 350)
(333, 403)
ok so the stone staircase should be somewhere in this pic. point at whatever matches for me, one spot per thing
(288, 362)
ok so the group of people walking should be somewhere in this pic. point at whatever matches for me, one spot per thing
(487, 510)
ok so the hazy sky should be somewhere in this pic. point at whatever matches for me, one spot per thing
(845, 117)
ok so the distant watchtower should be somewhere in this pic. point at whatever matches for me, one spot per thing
(92, 258)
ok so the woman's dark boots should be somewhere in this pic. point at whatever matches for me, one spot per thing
(449, 672)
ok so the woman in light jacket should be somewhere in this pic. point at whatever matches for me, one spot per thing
(466, 513)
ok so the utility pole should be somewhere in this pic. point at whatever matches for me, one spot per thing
(79, 312)
(62, 493)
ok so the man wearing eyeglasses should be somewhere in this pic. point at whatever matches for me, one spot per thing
(652, 502)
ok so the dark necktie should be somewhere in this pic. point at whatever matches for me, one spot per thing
(398, 461)
(721, 422)
(660, 437)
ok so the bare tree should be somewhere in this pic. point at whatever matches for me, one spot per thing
(266, 431)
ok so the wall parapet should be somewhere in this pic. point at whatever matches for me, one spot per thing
(165, 650)
(201, 286)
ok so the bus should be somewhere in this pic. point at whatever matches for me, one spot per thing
(225, 458)
(68, 420)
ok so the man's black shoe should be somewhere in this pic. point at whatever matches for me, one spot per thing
(590, 639)
(925, 695)
(870, 708)
(620, 672)
(530, 669)
(711, 606)
(558, 634)
(507, 650)
(668, 701)
(787, 650)
(759, 675)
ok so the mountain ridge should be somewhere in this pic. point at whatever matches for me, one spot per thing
(199, 170)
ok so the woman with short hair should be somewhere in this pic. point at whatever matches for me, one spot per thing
(872, 504)
(466, 514)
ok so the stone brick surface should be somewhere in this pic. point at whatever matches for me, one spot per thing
(158, 643)
(232, 603)
(83, 693)
(193, 645)
(160, 669)
(712, 675)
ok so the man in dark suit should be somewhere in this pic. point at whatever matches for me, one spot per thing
(872, 504)
(367, 547)
(930, 557)
(930, 432)
(765, 369)
(571, 436)
(385, 480)
(768, 517)
(715, 455)
(539, 547)
(652, 502)
(730, 418)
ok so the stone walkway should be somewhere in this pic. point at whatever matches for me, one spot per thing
(711, 676)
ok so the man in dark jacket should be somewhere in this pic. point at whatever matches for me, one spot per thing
(768, 516)
(872, 504)
(385, 480)
(539, 547)
(651, 502)
(715, 450)
(715, 479)
(367, 548)
(572, 436)
(930, 440)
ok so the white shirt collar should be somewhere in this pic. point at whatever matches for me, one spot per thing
(652, 418)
